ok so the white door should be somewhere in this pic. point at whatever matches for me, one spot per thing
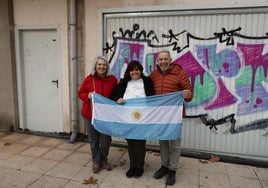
(40, 84)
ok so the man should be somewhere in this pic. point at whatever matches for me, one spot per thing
(169, 78)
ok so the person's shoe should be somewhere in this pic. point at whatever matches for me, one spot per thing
(131, 172)
(107, 166)
(96, 167)
(138, 172)
(171, 178)
(161, 172)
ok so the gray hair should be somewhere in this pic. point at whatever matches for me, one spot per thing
(165, 51)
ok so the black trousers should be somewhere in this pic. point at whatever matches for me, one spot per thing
(136, 152)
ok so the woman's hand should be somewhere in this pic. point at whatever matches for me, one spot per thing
(121, 101)
(90, 95)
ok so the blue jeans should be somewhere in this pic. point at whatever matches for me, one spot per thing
(99, 144)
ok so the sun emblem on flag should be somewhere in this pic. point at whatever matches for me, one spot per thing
(136, 115)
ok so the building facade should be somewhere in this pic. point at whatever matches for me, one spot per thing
(48, 48)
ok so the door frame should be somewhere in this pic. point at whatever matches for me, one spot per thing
(19, 60)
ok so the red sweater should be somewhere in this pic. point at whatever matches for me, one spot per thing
(176, 79)
(103, 86)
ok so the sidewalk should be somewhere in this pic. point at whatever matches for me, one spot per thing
(35, 161)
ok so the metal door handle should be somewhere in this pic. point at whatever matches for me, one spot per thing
(56, 81)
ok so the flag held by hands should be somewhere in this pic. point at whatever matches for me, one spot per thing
(157, 117)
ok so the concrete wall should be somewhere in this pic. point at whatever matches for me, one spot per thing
(44, 12)
(8, 94)
(49, 12)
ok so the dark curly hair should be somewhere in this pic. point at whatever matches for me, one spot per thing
(131, 66)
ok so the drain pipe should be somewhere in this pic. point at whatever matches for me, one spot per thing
(73, 70)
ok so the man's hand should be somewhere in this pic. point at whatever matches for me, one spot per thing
(186, 94)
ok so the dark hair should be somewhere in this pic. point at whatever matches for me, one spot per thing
(131, 66)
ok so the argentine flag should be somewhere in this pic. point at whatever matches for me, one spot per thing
(157, 117)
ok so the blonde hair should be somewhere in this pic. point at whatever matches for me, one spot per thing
(106, 62)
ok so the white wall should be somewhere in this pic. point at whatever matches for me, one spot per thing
(49, 12)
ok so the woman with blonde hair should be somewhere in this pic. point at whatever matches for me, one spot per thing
(102, 83)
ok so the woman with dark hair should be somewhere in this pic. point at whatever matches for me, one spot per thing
(134, 84)
(99, 81)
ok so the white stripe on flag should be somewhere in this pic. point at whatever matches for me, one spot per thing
(145, 115)
(147, 118)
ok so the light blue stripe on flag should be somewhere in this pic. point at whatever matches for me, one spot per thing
(157, 117)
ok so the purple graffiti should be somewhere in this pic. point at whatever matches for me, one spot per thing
(252, 103)
(192, 67)
(234, 76)
(253, 57)
(127, 52)
(250, 87)
(136, 51)
(225, 63)
(223, 97)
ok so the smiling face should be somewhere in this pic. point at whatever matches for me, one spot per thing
(135, 73)
(101, 68)
(164, 61)
(134, 70)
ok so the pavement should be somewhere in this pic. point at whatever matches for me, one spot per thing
(32, 161)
